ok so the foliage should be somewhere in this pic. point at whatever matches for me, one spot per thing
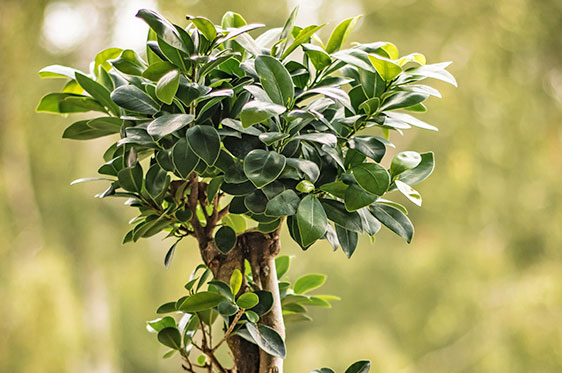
(230, 129)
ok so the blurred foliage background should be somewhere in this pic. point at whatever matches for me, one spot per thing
(478, 290)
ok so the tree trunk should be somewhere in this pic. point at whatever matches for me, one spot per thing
(260, 250)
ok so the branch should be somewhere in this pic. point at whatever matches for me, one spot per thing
(230, 329)
(209, 351)
(192, 203)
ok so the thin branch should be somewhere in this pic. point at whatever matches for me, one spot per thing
(230, 329)
(192, 203)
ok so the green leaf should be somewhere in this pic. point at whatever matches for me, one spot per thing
(355, 57)
(65, 103)
(256, 202)
(98, 92)
(407, 118)
(319, 58)
(164, 29)
(372, 177)
(322, 138)
(275, 80)
(167, 308)
(309, 282)
(265, 304)
(225, 238)
(403, 100)
(134, 99)
(205, 26)
(282, 264)
(183, 158)
(129, 63)
(227, 308)
(168, 123)
(156, 181)
(267, 339)
(323, 370)
(252, 316)
(395, 220)
(356, 198)
(387, 69)
(205, 142)
(404, 161)
(247, 300)
(262, 166)
(285, 203)
(258, 111)
(336, 94)
(236, 281)
(410, 193)
(359, 367)
(336, 212)
(371, 146)
(340, 34)
(310, 170)
(58, 71)
(130, 178)
(170, 337)
(82, 131)
(161, 323)
(311, 220)
(110, 124)
(270, 138)
(336, 188)
(286, 31)
(103, 57)
(201, 301)
(348, 240)
(435, 71)
(157, 70)
(170, 255)
(302, 37)
(168, 86)
(421, 171)
(305, 186)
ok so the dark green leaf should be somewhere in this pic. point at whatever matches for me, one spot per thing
(225, 238)
(348, 240)
(395, 220)
(201, 301)
(82, 131)
(134, 99)
(285, 203)
(336, 212)
(170, 337)
(267, 339)
(98, 92)
(356, 198)
(372, 177)
(161, 323)
(371, 146)
(262, 167)
(168, 123)
(130, 178)
(421, 171)
(275, 80)
(183, 158)
(205, 142)
(258, 111)
(402, 100)
(164, 29)
(311, 220)
(359, 367)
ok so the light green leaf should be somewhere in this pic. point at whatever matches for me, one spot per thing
(168, 86)
(309, 282)
(129, 62)
(387, 69)
(247, 300)
(236, 281)
(205, 26)
(340, 34)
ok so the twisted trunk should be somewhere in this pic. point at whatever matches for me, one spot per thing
(260, 250)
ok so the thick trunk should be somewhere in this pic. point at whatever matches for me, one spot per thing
(260, 250)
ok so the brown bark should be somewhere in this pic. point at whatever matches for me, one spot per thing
(260, 250)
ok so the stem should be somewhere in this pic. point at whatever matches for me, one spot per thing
(230, 329)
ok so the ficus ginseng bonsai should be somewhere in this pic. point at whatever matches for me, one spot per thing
(226, 138)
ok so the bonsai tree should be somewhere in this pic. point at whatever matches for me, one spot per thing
(228, 139)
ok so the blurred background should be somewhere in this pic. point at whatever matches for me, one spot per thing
(478, 290)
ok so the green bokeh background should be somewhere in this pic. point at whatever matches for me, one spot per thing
(478, 290)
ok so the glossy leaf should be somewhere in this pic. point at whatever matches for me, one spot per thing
(225, 239)
(362, 366)
(97, 91)
(183, 158)
(285, 203)
(421, 171)
(309, 282)
(311, 220)
(205, 142)
(168, 86)
(410, 193)
(387, 69)
(236, 281)
(262, 166)
(340, 34)
(258, 111)
(201, 301)
(132, 98)
(170, 337)
(372, 177)
(348, 240)
(267, 339)
(168, 124)
(275, 80)
(395, 220)
(404, 161)
(247, 300)
(164, 29)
